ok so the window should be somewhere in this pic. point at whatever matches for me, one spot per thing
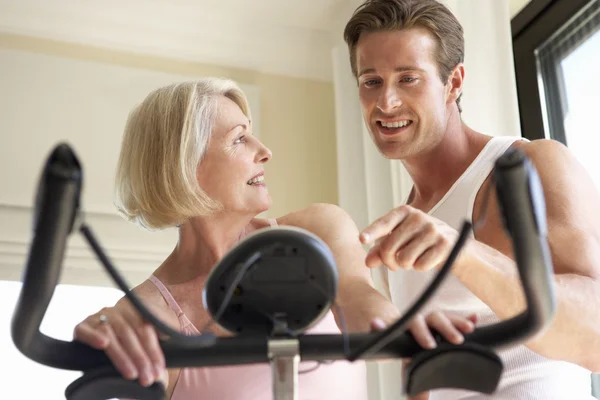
(549, 39)
(70, 304)
(570, 91)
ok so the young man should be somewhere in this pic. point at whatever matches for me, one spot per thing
(407, 58)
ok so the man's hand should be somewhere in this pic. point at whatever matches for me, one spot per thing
(407, 238)
(450, 326)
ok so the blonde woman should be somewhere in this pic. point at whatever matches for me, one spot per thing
(189, 159)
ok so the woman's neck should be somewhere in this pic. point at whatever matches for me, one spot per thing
(203, 242)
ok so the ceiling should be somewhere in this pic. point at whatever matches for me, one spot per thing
(284, 37)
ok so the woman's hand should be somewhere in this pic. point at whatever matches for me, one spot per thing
(128, 341)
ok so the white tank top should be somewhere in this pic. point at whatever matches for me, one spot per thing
(527, 375)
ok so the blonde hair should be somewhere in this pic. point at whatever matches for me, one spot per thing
(389, 15)
(165, 139)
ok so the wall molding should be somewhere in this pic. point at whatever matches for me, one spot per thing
(134, 252)
(96, 213)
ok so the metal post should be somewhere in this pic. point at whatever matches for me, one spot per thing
(285, 359)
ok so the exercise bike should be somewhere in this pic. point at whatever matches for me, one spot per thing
(272, 287)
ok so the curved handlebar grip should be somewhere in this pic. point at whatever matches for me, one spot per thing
(56, 208)
(521, 202)
(55, 212)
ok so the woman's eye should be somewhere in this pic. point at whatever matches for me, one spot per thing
(408, 79)
(241, 139)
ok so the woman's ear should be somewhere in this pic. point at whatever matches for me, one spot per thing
(455, 83)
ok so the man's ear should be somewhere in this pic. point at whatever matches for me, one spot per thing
(455, 83)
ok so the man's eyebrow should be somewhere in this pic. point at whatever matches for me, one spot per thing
(397, 69)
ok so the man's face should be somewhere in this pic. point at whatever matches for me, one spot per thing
(404, 103)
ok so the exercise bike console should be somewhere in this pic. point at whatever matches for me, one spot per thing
(270, 289)
(276, 283)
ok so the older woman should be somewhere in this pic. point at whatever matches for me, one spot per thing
(189, 159)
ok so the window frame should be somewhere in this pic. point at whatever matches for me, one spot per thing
(531, 28)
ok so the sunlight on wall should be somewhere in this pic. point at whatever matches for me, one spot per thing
(27, 379)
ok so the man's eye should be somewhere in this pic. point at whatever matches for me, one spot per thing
(371, 82)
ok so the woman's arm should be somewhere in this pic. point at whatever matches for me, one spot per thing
(357, 296)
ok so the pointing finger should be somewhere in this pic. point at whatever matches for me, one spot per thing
(373, 259)
(384, 225)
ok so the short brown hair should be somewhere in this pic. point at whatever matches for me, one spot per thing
(390, 15)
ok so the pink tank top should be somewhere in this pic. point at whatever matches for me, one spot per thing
(340, 380)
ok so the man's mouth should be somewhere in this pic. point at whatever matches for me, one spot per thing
(393, 127)
(395, 124)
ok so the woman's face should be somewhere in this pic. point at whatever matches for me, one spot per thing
(232, 170)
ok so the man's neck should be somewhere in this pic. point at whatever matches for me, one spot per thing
(435, 171)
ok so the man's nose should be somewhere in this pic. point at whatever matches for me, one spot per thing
(388, 100)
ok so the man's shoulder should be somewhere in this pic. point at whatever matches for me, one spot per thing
(543, 149)
(555, 163)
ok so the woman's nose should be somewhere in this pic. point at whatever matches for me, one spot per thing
(264, 154)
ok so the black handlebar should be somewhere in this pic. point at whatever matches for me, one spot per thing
(54, 215)
(522, 205)
(57, 212)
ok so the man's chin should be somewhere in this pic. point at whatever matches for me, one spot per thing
(392, 151)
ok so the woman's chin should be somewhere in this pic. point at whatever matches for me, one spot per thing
(266, 206)
(260, 208)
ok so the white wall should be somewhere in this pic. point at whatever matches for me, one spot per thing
(489, 100)
(47, 99)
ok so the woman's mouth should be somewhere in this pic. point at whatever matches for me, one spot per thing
(256, 181)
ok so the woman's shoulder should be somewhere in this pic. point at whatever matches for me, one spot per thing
(148, 291)
(312, 211)
(151, 293)
(321, 219)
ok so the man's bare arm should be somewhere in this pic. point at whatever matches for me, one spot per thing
(573, 215)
